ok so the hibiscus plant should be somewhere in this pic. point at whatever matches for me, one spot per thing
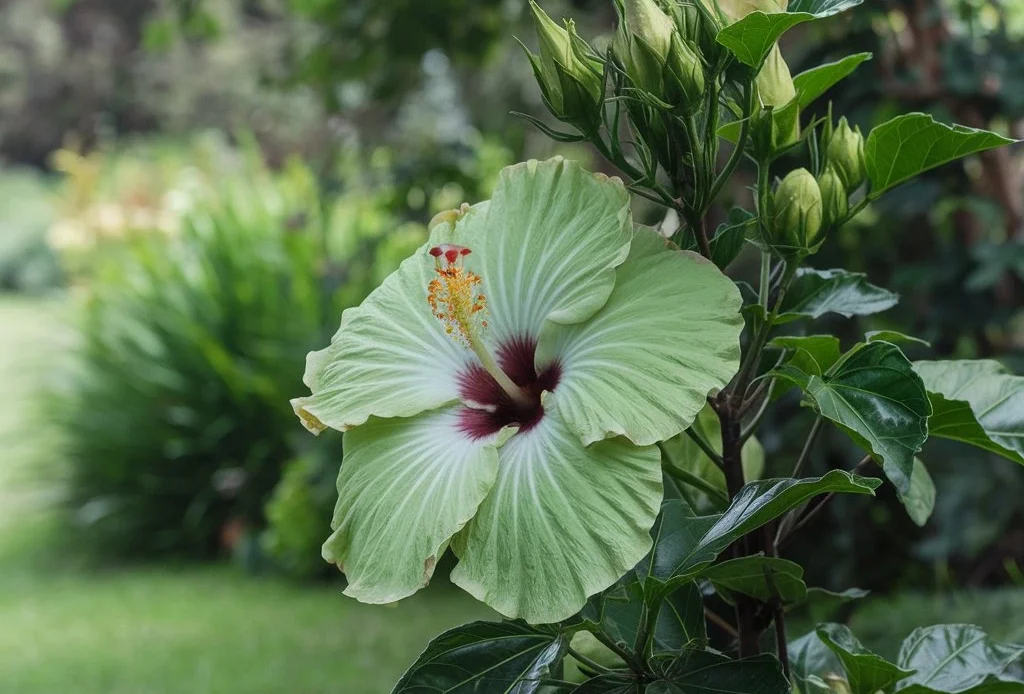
(569, 401)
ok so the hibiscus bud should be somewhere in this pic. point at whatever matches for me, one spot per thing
(834, 201)
(775, 89)
(697, 28)
(655, 57)
(570, 80)
(837, 684)
(684, 76)
(846, 153)
(797, 213)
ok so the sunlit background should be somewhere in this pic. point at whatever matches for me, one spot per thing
(192, 191)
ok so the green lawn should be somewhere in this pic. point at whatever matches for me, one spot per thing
(147, 630)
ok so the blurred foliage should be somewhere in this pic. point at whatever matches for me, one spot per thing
(298, 514)
(96, 68)
(27, 263)
(176, 413)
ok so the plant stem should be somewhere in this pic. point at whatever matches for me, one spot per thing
(713, 617)
(698, 483)
(812, 513)
(587, 662)
(737, 153)
(620, 651)
(705, 446)
(805, 453)
(787, 522)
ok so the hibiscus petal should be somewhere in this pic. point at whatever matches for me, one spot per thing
(406, 486)
(562, 522)
(552, 237)
(643, 366)
(391, 356)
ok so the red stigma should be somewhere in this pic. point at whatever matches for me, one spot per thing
(450, 252)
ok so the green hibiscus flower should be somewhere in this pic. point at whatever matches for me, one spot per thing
(503, 390)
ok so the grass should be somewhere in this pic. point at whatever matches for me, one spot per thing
(165, 630)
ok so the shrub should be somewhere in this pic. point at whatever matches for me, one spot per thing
(176, 409)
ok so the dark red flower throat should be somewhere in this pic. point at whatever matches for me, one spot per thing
(515, 358)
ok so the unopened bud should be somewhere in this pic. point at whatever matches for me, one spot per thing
(697, 26)
(834, 199)
(846, 153)
(775, 88)
(736, 10)
(654, 56)
(797, 214)
(570, 80)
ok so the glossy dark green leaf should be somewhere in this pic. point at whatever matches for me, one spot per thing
(866, 672)
(959, 659)
(919, 500)
(874, 395)
(977, 402)
(822, 8)
(760, 577)
(684, 543)
(911, 144)
(730, 236)
(482, 657)
(705, 672)
(679, 624)
(817, 292)
(751, 38)
(812, 83)
(810, 657)
(812, 354)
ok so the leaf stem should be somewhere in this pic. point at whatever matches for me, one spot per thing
(705, 446)
(584, 660)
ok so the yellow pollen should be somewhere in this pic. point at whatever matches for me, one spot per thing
(455, 301)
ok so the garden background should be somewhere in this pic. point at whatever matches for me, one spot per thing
(192, 191)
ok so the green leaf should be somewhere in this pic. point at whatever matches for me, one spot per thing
(751, 38)
(817, 292)
(812, 354)
(866, 672)
(822, 8)
(760, 577)
(977, 402)
(958, 659)
(810, 657)
(894, 337)
(679, 624)
(730, 236)
(911, 144)
(685, 543)
(920, 498)
(484, 657)
(812, 83)
(705, 672)
(820, 604)
(874, 395)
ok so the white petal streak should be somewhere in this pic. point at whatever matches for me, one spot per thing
(405, 487)
(562, 523)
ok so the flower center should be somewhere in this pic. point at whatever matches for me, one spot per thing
(455, 300)
(496, 409)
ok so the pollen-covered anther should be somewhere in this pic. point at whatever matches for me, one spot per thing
(453, 295)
